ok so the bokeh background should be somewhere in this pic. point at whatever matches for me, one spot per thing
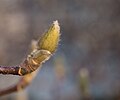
(87, 62)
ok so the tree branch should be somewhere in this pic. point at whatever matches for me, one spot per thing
(41, 51)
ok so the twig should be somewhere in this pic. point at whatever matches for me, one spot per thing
(41, 52)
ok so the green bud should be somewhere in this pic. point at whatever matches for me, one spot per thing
(49, 40)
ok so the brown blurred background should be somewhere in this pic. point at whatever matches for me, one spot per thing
(87, 62)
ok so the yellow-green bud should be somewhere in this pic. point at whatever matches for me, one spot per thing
(49, 40)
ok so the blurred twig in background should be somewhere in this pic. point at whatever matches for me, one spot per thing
(84, 84)
(59, 68)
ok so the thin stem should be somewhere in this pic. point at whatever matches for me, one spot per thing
(9, 70)
(22, 69)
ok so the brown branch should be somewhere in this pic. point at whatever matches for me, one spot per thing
(9, 70)
(30, 64)
(23, 69)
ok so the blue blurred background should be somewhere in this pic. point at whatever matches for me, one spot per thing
(87, 62)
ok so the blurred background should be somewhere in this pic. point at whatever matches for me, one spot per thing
(87, 62)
